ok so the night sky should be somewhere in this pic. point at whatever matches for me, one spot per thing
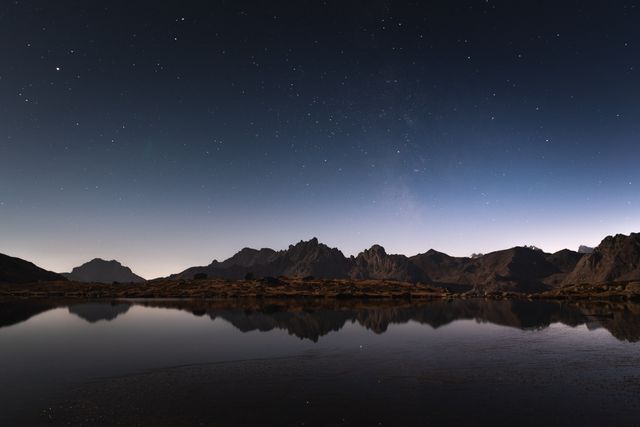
(167, 135)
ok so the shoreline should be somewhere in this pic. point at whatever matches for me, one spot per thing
(283, 288)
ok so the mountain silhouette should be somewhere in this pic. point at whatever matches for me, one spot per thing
(306, 258)
(616, 258)
(518, 269)
(311, 258)
(16, 270)
(444, 269)
(375, 263)
(101, 271)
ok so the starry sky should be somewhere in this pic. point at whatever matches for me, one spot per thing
(167, 134)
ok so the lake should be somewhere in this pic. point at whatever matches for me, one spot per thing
(319, 363)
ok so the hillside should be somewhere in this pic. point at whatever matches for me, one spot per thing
(16, 270)
(616, 258)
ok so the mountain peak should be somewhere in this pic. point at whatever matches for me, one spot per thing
(102, 271)
(102, 261)
(375, 263)
(585, 249)
(377, 249)
(313, 242)
(247, 257)
(616, 258)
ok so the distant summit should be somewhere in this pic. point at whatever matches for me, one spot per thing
(585, 249)
(16, 270)
(100, 271)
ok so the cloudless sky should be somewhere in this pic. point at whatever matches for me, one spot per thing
(167, 134)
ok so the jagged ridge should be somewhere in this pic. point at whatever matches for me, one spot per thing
(524, 269)
(519, 269)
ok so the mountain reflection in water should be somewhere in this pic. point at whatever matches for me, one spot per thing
(312, 319)
(322, 362)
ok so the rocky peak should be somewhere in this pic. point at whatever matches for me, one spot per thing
(619, 242)
(311, 248)
(247, 257)
(375, 250)
(311, 243)
(102, 271)
(616, 258)
(585, 249)
(311, 258)
(375, 263)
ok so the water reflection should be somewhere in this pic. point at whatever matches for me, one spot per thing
(212, 362)
(312, 319)
(95, 311)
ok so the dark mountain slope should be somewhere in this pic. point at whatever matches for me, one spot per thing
(442, 268)
(16, 270)
(518, 269)
(566, 261)
(617, 258)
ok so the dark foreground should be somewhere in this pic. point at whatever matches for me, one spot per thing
(319, 362)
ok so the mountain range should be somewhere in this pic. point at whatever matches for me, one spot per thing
(519, 269)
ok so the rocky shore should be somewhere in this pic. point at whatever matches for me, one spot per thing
(283, 287)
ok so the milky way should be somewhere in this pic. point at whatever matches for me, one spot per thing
(166, 135)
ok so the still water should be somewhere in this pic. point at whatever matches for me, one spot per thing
(324, 363)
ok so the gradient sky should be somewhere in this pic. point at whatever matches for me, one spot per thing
(167, 135)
